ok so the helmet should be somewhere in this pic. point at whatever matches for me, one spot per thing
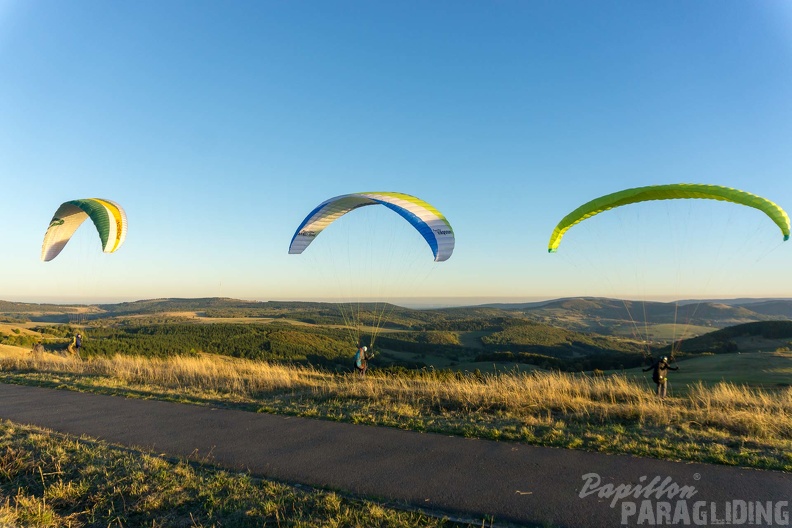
(665, 358)
(365, 349)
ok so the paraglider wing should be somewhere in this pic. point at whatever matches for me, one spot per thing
(429, 222)
(669, 192)
(108, 217)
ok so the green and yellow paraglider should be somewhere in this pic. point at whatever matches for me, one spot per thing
(108, 218)
(669, 192)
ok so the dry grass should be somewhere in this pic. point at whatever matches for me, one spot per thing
(724, 423)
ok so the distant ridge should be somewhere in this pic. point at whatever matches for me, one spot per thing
(580, 313)
(600, 315)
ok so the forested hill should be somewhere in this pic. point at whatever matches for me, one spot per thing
(309, 312)
(151, 306)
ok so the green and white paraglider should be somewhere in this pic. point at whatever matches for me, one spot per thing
(108, 217)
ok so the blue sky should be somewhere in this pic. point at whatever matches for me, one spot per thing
(219, 125)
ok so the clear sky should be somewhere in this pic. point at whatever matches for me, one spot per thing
(219, 125)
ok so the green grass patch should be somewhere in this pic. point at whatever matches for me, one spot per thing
(662, 332)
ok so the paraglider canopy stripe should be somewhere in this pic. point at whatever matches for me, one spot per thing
(427, 220)
(669, 192)
(108, 218)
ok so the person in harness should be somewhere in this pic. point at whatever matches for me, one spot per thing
(361, 360)
(660, 370)
(75, 345)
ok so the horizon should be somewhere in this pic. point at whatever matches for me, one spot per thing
(410, 303)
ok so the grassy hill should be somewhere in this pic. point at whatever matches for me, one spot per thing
(750, 337)
(649, 320)
(10, 307)
(766, 370)
(777, 308)
(717, 314)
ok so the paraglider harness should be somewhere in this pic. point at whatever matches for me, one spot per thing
(656, 368)
(361, 358)
(74, 347)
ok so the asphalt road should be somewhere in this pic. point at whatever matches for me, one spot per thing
(471, 478)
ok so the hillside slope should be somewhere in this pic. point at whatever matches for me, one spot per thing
(764, 336)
